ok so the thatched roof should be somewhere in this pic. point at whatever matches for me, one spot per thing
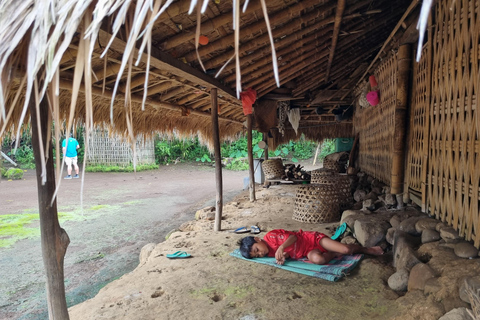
(146, 55)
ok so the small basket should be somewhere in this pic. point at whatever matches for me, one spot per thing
(273, 168)
(316, 204)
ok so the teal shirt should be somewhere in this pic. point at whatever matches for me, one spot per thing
(71, 148)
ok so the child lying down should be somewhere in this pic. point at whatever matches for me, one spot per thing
(316, 246)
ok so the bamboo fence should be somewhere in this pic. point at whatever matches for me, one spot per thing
(104, 149)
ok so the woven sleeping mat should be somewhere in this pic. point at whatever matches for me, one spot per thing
(333, 271)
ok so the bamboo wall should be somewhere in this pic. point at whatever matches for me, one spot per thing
(108, 150)
(453, 163)
(375, 125)
(417, 142)
(442, 168)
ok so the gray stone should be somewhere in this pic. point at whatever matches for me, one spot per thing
(395, 221)
(426, 223)
(399, 280)
(386, 190)
(429, 235)
(390, 200)
(376, 190)
(348, 240)
(432, 286)
(456, 314)
(440, 226)
(419, 275)
(369, 232)
(372, 195)
(408, 225)
(473, 284)
(359, 195)
(449, 234)
(146, 252)
(368, 204)
(403, 254)
(389, 236)
(350, 216)
(465, 250)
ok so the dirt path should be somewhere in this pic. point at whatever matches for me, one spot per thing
(121, 213)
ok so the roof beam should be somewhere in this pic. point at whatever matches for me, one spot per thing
(165, 62)
(336, 31)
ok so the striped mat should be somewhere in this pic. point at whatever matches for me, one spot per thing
(333, 271)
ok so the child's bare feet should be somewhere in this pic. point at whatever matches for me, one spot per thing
(376, 251)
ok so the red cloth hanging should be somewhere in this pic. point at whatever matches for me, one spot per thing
(248, 99)
(373, 81)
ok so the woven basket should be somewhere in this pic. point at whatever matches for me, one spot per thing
(340, 183)
(334, 165)
(316, 204)
(273, 168)
(317, 174)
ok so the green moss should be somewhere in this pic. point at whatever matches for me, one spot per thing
(12, 228)
(101, 206)
(240, 292)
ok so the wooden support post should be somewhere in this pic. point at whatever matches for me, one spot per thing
(398, 161)
(54, 239)
(265, 150)
(251, 175)
(218, 161)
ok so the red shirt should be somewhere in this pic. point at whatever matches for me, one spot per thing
(306, 242)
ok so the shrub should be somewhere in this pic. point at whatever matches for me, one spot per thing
(3, 172)
(14, 174)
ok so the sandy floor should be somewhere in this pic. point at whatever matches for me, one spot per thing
(214, 285)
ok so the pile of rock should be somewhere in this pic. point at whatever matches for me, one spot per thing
(422, 247)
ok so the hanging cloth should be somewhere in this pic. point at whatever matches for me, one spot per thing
(294, 118)
(248, 99)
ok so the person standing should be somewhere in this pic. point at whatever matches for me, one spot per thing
(70, 155)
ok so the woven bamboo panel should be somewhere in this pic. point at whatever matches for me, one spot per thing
(453, 168)
(108, 150)
(375, 125)
(316, 204)
(418, 132)
(273, 168)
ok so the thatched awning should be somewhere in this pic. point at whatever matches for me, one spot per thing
(102, 60)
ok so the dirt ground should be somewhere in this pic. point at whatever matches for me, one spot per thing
(121, 213)
(213, 285)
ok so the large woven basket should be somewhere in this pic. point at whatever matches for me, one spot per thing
(273, 168)
(339, 183)
(316, 204)
(334, 165)
(317, 174)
